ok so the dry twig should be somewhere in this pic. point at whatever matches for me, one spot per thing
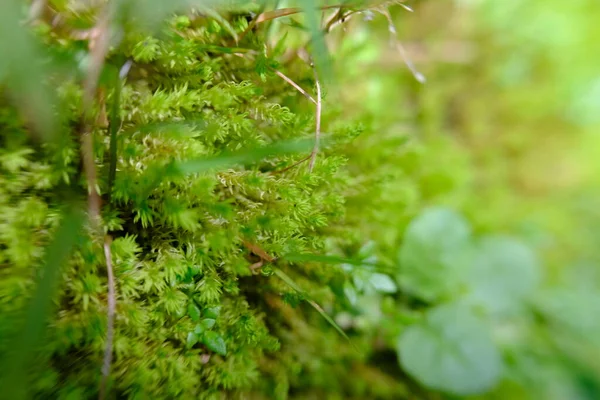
(99, 43)
(295, 85)
(112, 304)
(396, 42)
(313, 155)
(280, 171)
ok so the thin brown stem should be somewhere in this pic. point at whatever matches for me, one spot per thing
(255, 268)
(36, 9)
(295, 85)
(99, 44)
(396, 42)
(313, 154)
(258, 251)
(89, 169)
(112, 304)
(291, 166)
(99, 41)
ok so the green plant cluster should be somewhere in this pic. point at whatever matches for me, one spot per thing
(193, 319)
(390, 270)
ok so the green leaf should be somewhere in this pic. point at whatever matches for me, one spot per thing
(284, 277)
(327, 259)
(574, 310)
(215, 342)
(451, 351)
(213, 312)
(221, 49)
(114, 127)
(204, 325)
(23, 73)
(192, 339)
(319, 47)
(280, 46)
(434, 251)
(194, 312)
(502, 274)
(208, 323)
(350, 293)
(382, 283)
(57, 254)
(247, 156)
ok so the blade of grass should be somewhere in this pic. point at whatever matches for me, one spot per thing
(294, 85)
(221, 49)
(305, 257)
(226, 160)
(313, 154)
(114, 124)
(110, 317)
(290, 282)
(396, 43)
(57, 253)
(319, 47)
(24, 74)
(284, 12)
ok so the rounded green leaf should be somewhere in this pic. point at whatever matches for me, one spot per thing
(451, 351)
(502, 274)
(204, 325)
(350, 293)
(382, 283)
(431, 254)
(192, 339)
(214, 342)
(212, 312)
(194, 312)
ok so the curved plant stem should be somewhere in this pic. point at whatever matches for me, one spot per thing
(98, 46)
(396, 43)
(295, 85)
(112, 303)
(313, 155)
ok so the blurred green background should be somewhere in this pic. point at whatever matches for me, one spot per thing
(506, 130)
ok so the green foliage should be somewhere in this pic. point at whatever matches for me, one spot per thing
(188, 168)
(433, 246)
(451, 351)
(428, 234)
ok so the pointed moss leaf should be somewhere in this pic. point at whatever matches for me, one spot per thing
(502, 274)
(431, 256)
(214, 342)
(204, 325)
(451, 351)
(382, 283)
(194, 312)
(212, 312)
(192, 339)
